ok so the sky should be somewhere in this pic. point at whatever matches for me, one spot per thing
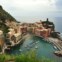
(29, 10)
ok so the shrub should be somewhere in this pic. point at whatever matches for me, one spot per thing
(27, 57)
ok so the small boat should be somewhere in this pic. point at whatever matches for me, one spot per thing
(20, 50)
(55, 47)
(36, 47)
(37, 42)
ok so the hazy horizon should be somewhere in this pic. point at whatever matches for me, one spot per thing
(29, 10)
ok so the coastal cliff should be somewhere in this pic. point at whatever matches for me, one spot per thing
(3, 17)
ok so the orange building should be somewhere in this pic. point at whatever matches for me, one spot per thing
(42, 32)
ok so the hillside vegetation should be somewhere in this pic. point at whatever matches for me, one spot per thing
(3, 17)
(27, 57)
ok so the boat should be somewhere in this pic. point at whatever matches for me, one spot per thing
(20, 50)
(37, 42)
(55, 47)
(36, 47)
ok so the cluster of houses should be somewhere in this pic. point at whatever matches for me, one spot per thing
(15, 34)
(41, 31)
(18, 30)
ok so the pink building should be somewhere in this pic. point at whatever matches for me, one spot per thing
(23, 29)
(42, 32)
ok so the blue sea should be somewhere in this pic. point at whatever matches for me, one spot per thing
(43, 49)
(58, 23)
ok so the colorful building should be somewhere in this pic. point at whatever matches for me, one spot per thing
(42, 32)
(16, 37)
(23, 29)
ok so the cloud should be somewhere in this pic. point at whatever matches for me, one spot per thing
(31, 8)
(59, 4)
(27, 3)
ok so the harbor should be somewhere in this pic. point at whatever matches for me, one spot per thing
(41, 47)
(39, 36)
(30, 31)
(56, 42)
